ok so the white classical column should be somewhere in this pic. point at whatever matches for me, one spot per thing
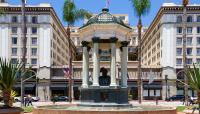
(96, 63)
(124, 64)
(85, 66)
(113, 61)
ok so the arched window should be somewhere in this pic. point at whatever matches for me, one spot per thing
(179, 19)
(189, 19)
(198, 18)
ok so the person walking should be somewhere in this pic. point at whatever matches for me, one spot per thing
(30, 100)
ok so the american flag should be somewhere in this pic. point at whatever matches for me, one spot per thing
(67, 72)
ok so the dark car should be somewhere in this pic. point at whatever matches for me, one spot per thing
(60, 98)
(176, 98)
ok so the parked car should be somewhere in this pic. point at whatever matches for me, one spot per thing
(60, 98)
(176, 97)
(17, 99)
(35, 99)
(193, 100)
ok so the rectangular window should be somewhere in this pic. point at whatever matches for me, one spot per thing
(189, 61)
(34, 30)
(189, 51)
(14, 51)
(14, 19)
(178, 61)
(34, 51)
(179, 30)
(14, 61)
(179, 51)
(189, 30)
(198, 51)
(14, 40)
(34, 20)
(34, 41)
(33, 61)
(189, 40)
(198, 60)
(179, 41)
(198, 29)
(14, 30)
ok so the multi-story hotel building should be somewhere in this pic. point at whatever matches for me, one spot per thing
(162, 45)
(47, 46)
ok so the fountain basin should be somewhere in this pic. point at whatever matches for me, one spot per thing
(66, 109)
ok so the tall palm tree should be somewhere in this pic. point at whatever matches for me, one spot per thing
(185, 3)
(71, 14)
(24, 42)
(141, 7)
(193, 76)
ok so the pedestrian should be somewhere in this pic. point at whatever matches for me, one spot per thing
(30, 100)
(26, 101)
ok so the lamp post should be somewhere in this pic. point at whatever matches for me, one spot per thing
(166, 78)
(185, 3)
(22, 89)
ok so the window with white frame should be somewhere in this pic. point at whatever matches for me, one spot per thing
(198, 51)
(189, 30)
(179, 61)
(178, 41)
(189, 61)
(178, 51)
(189, 40)
(189, 51)
(179, 30)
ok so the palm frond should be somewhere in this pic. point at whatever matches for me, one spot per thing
(72, 14)
(141, 7)
(193, 75)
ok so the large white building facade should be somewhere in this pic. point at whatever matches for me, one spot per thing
(162, 45)
(47, 45)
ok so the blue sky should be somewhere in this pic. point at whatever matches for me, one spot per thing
(116, 7)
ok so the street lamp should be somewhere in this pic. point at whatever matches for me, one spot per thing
(22, 82)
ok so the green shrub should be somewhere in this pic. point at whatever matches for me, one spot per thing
(28, 109)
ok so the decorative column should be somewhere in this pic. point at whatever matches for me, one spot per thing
(124, 63)
(96, 63)
(113, 61)
(85, 72)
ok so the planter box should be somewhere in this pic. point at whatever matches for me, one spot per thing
(10, 111)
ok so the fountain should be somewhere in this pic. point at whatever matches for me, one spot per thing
(108, 91)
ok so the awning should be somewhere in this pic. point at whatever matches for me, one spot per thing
(58, 85)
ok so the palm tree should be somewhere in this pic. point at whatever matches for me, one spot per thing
(193, 76)
(71, 14)
(141, 8)
(8, 73)
(24, 42)
(185, 3)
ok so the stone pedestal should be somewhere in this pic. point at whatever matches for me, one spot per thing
(105, 95)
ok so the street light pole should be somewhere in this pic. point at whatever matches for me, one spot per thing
(22, 89)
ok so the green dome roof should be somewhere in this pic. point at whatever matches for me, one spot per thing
(105, 18)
